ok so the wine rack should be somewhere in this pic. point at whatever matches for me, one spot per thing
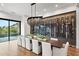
(62, 26)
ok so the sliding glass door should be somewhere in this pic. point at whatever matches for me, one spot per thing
(9, 30)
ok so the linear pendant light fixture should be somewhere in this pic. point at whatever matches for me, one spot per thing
(33, 19)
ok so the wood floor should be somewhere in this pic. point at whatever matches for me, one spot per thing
(12, 49)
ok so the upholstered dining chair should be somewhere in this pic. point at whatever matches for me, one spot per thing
(28, 43)
(46, 49)
(36, 47)
(23, 41)
(61, 51)
(19, 41)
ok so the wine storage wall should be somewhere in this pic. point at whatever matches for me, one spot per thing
(62, 26)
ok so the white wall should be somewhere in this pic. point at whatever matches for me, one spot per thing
(77, 27)
(25, 28)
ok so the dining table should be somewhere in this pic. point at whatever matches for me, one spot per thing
(54, 43)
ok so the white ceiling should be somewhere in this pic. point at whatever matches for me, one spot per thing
(24, 9)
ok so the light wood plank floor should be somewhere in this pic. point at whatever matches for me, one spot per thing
(12, 49)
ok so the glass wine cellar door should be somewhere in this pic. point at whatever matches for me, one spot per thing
(62, 26)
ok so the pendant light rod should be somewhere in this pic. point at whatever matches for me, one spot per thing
(31, 8)
(33, 4)
(33, 18)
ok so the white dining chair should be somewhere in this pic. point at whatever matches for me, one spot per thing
(28, 43)
(61, 51)
(19, 41)
(23, 41)
(36, 48)
(46, 49)
(53, 39)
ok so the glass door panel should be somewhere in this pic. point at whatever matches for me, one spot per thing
(14, 30)
(3, 30)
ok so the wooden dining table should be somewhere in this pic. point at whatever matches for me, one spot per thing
(55, 43)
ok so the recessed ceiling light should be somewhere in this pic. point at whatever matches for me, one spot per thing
(56, 5)
(2, 4)
(37, 12)
(44, 10)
